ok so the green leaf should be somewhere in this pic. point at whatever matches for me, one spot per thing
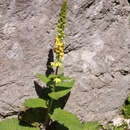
(35, 103)
(42, 91)
(66, 84)
(91, 126)
(52, 76)
(59, 94)
(13, 124)
(32, 116)
(67, 119)
(126, 111)
(60, 126)
(43, 78)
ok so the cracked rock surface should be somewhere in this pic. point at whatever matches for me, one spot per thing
(98, 53)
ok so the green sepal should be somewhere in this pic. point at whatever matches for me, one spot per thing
(43, 78)
(35, 103)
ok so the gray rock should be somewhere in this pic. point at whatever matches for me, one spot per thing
(98, 58)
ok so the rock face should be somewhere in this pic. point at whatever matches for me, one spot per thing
(98, 58)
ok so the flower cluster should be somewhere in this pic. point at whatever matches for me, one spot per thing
(59, 48)
(59, 44)
(56, 64)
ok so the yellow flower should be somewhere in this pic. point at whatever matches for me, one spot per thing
(62, 38)
(61, 54)
(57, 38)
(52, 64)
(56, 50)
(57, 80)
(58, 64)
(61, 49)
(61, 58)
(58, 43)
(63, 43)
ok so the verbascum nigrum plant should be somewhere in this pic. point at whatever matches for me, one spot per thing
(57, 86)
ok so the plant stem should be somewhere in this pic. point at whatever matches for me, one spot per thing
(59, 51)
(47, 120)
(56, 70)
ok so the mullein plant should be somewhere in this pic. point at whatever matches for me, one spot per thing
(57, 87)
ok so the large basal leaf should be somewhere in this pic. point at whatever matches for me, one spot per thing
(43, 78)
(67, 119)
(35, 103)
(13, 124)
(59, 94)
(32, 116)
(65, 84)
(59, 126)
(91, 126)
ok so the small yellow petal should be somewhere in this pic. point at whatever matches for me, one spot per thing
(60, 48)
(58, 64)
(61, 57)
(61, 54)
(57, 80)
(52, 64)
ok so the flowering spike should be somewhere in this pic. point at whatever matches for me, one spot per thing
(59, 44)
